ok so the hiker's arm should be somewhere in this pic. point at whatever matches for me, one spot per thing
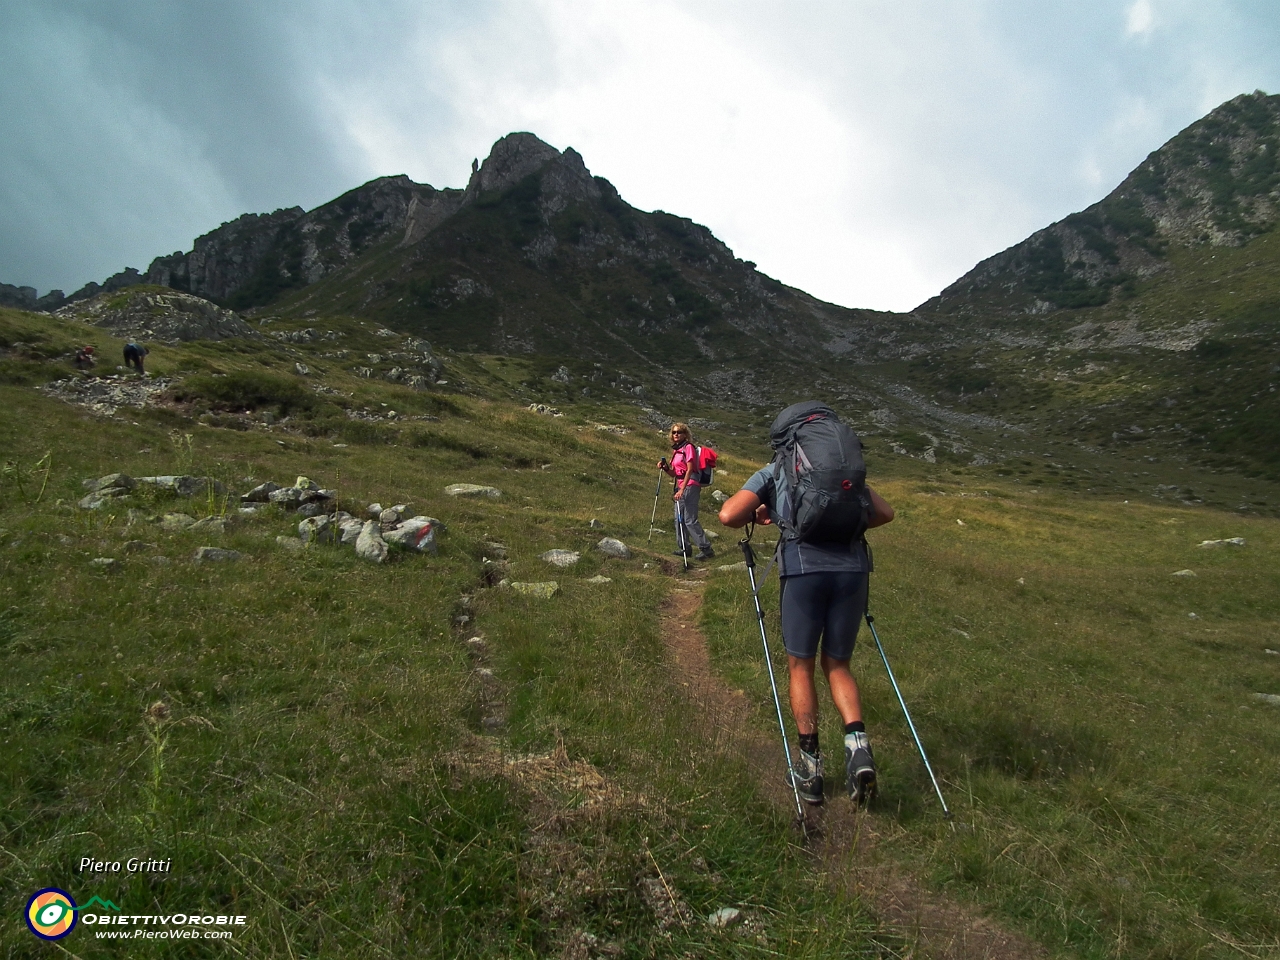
(881, 512)
(742, 508)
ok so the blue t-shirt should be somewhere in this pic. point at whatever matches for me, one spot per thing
(796, 557)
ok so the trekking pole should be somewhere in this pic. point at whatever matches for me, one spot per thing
(946, 813)
(682, 537)
(657, 492)
(750, 557)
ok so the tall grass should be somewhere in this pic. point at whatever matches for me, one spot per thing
(1094, 719)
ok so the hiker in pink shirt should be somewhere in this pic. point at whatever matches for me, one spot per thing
(690, 477)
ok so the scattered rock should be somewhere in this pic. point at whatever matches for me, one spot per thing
(215, 555)
(477, 647)
(595, 524)
(315, 508)
(185, 486)
(598, 579)
(561, 558)
(498, 550)
(416, 533)
(719, 496)
(112, 481)
(542, 591)
(287, 497)
(349, 531)
(102, 563)
(316, 530)
(210, 525)
(166, 317)
(724, 918)
(105, 395)
(374, 511)
(370, 545)
(1183, 573)
(494, 571)
(1268, 698)
(739, 567)
(289, 543)
(176, 521)
(95, 500)
(1233, 542)
(471, 490)
(614, 548)
(301, 369)
(261, 493)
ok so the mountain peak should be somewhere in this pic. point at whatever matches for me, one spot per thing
(511, 159)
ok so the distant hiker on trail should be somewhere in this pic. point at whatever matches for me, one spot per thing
(133, 355)
(84, 358)
(690, 476)
(823, 563)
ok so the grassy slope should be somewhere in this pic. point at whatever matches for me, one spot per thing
(324, 768)
(1216, 406)
(1111, 770)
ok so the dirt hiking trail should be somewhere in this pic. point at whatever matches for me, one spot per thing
(915, 921)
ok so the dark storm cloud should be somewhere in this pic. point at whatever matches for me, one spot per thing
(133, 127)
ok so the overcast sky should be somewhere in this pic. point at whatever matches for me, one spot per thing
(867, 151)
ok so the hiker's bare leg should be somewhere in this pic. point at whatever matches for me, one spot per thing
(804, 695)
(844, 689)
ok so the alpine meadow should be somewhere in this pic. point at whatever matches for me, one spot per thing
(350, 609)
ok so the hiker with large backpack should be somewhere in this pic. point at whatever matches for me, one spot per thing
(815, 492)
(691, 466)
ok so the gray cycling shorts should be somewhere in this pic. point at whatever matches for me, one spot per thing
(827, 606)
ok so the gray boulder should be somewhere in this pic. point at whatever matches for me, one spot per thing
(416, 533)
(614, 548)
(261, 493)
(215, 555)
(472, 490)
(176, 521)
(370, 545)
(561, 558)
(288, 497)
(316, 530)
(316, 508)
(185, 486)
(349, 531)
(112, 481)
(211, 525)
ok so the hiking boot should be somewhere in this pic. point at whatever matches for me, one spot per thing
(681, 553)
(807, 776)
(860, 767)
(706, 553)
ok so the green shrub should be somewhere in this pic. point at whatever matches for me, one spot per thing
(247, 390)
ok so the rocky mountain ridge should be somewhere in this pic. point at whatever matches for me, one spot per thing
(1217, 183)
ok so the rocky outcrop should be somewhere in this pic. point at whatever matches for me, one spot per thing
(222, 261)
(510, 160)
(164, 316)
(427, 210)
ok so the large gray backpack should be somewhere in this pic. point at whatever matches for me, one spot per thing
(822, 461)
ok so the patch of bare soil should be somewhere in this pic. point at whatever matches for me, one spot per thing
(916, 922)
